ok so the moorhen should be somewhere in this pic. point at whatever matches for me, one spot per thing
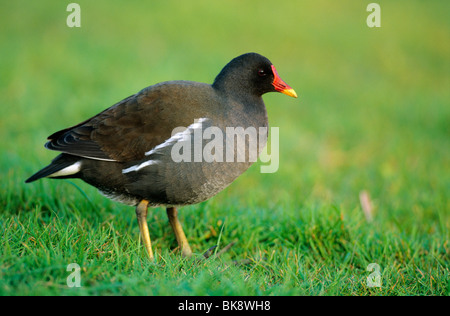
(144, 150)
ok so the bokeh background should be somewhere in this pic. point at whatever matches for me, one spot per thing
(373, 114)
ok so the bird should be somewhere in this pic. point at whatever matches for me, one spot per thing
(146, 150)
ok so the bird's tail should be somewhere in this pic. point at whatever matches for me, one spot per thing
(63, 166)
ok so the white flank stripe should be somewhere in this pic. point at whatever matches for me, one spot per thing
(72, 169)
(178, 136)
(140, 166)
(181, 136)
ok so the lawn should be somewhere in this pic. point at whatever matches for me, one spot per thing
(373, 115)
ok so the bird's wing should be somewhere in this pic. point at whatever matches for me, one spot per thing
(128, 129)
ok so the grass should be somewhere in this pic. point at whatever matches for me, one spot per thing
(372, 115)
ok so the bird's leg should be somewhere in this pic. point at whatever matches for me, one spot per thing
(141, 214)
(172, 213)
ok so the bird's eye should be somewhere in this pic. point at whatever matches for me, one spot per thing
(261, 73)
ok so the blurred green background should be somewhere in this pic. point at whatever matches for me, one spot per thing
(372, 114)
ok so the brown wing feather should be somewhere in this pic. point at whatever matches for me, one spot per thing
(135, 125)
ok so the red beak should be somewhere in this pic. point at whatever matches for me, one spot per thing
(282, 86)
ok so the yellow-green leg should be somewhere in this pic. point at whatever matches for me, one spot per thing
(141, 214)
(172, 213)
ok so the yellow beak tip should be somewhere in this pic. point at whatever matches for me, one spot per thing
(290, 92)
